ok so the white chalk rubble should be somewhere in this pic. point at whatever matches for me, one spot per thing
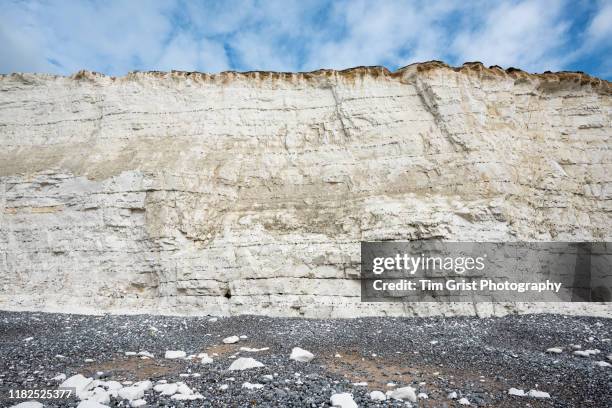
(231, 340)
(403, 393)
(299, 354)
(343, 400)
(253, 350)
(174, 354)
(28, 404)
(516, 392)
(378, 396)
(538, 394)
(250, 386)
(244, 363)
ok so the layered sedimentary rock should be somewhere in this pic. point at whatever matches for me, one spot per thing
(250, 192)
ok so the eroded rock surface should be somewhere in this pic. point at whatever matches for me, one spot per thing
(250, 193)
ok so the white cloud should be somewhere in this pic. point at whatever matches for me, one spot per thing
(20, 54)
(110, 36)
(181, 53)
(213, 57)
(116, 37)
(527, 35)
(222, 17)
(375, 34)
(273, 34)
(259, 51)
(600, 28)
(113, 37)
(186, 53)
(596, 44)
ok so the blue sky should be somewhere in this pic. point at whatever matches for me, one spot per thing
(116, 37)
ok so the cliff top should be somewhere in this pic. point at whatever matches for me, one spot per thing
(404, 74)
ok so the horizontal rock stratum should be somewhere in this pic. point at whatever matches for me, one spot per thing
(250, 192)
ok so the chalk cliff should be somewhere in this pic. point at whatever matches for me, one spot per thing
(250, 192)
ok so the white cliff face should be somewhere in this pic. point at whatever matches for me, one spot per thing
(250, 193)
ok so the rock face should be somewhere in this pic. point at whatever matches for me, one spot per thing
(250, 192)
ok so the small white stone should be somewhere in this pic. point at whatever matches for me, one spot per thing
(243, 337)
(433, 342)
(28, 404)
(28, 339)
(90, 404)
(78, 382)
(253, 350)
(89, 360)
(213, 319)
(404, 393)
(554, 350)
(464, 401)
(183, 389)
(586, 353)
(231, 340)
(100, 395)
(223, 387)
(113, 385)
(172, 354)
(205, 359)
(130, 353)
(452, 395)
(244, 363)
(538, 394)
(131, 393)
(138, 403)
(422, 395)
(360, 384)
(145, 354)
(378, 396)
(517, 392)
(250, 386)
(190, 397)
(59, 377)
(299, 354)
(166, 389)
(603, 364)
(343, 400)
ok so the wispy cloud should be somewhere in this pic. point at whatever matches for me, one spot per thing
(116, 37)
(529, 35)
